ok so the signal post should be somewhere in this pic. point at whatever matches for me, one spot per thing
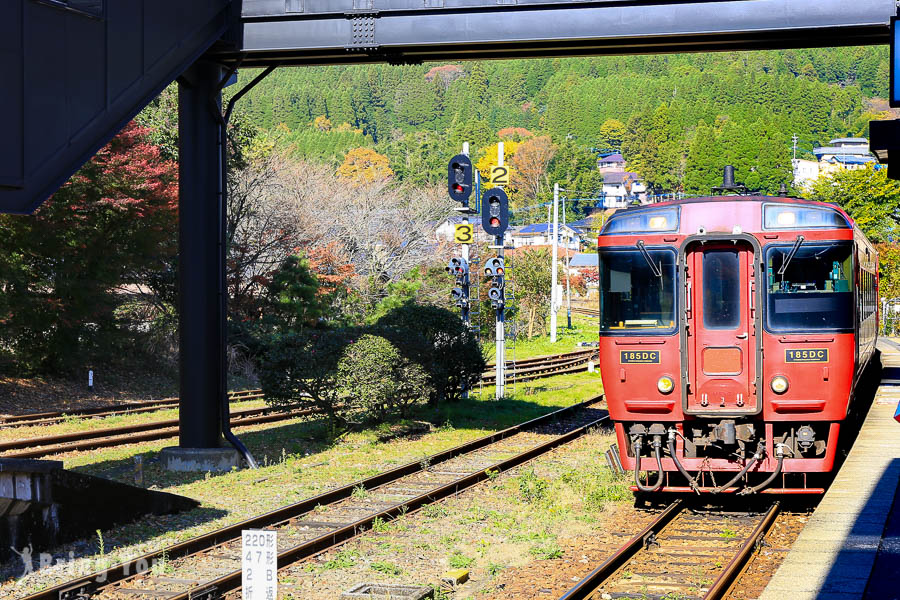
(494, 221)
(459, 187)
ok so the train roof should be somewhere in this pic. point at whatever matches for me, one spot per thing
(751, 212)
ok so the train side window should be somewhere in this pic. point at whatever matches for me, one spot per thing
(811, 290)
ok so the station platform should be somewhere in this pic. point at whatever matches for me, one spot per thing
(850, 548)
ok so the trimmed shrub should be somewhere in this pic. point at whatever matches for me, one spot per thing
(437, 340)
(377, 378)
(300, 370)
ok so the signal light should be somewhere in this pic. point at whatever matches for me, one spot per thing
(495, 212)
(494, 267)
(457, 266)
(459, 178)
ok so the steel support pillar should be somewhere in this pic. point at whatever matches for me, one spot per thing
(202, 346)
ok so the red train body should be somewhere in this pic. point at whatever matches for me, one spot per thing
(733, 332)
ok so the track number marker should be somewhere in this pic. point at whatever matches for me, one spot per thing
(259, 564)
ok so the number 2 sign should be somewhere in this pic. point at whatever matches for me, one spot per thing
(500, 175)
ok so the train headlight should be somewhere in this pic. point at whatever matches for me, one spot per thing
(665, 385)
(779, 384)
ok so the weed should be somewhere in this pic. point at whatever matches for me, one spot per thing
(532, 489)
(380, 526)
(458, 560)
(494, 569)
(492, 474)
(547, 551)
(440, 593)
(161, 565)
(425, 462)
(385, 567)
(435, 511)
(101, 545)
(403, 510)
(728, 533)
(342, 560)
(359, 492)
(447, 540)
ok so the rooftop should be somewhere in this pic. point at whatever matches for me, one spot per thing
(537, 228)
(617, 178)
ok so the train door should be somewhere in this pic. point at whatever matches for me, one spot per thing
(721, 336)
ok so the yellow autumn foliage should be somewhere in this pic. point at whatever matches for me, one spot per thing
(364, 165)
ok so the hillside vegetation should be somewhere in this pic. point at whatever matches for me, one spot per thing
(678, 119)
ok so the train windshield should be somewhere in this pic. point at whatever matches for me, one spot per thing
(809, 287)
(637, 290)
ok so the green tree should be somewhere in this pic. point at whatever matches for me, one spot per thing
(612, 132)
(704, 162)
(294, 295)
(868, 196)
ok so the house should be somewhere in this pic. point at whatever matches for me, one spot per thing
(805, 172)
(841, 154)
(620, 188)
(846, 147)
(611, 163)
(539, 234)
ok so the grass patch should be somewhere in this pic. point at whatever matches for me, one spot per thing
(458, 560)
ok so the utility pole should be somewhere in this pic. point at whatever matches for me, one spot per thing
(553, 303)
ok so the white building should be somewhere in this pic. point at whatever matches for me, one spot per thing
(619, 188)
(540, 234)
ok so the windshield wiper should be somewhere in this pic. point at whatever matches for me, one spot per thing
(653, 266)
(790, 255)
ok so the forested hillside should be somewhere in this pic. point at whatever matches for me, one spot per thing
(678, 119)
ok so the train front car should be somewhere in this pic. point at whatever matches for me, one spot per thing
(732, 333)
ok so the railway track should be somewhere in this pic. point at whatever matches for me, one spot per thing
(546, 366)
(589, 312)
(55, 417)
(208, 567)
(37, 447)
(683, 553)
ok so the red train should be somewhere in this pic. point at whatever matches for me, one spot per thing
(733, 333)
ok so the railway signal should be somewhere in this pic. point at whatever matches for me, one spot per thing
(495, 212)
(459, 268)
(496, 270)
(459, 178)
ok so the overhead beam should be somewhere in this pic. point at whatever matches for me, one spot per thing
(357, 31)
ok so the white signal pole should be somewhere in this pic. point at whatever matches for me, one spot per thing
(568, 292)
(500, 339)
(465, 255)
(553, 263)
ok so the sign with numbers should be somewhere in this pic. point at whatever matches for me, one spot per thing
(259, 564)
(500, 175)
(464, 234)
